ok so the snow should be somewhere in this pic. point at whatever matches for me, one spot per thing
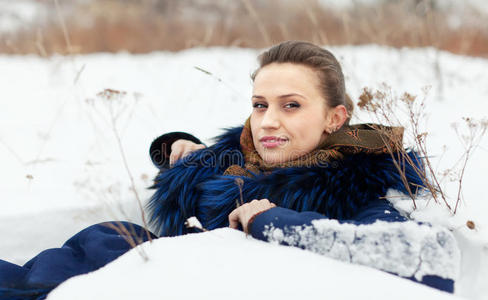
(62, 168)
(404, 248)
(193, 222)
(218, 265)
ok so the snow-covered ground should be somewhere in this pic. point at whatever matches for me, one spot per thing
(62, 168)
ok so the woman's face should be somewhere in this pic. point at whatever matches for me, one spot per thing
(290, 115)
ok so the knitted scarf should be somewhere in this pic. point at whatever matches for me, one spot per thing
(350, 139)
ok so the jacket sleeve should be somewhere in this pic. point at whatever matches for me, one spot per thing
(161, 147)
(379, 237)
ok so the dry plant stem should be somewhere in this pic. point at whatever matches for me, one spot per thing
(421, 143)
(130, 115)
(240, 183)
(129, 173)
(217, 78)
(67, 39)
(398, 166)
(78, 74)
(399, 162)
(50, 129)
(130, 237)
(434, 188)
(437, 187)
(322, 37)
(383, 105)
(109, 96)
(40, 44)
(476, 132)
(60, 110)
(258, 21)
(9, 149)
(441, 156)
(461, 180)
(64, 28)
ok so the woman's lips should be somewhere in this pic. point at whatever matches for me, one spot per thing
(272, 142)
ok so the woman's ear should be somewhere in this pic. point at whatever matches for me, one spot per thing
(337, 118)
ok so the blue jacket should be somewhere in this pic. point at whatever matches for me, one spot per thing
(88, 250)
(348, 191)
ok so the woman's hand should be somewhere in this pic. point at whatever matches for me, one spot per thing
(245, 212)
(181, 148)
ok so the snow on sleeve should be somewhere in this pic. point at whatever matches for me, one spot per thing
(404, 248)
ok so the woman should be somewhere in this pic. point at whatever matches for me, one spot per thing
(296, 173)
(308, 178)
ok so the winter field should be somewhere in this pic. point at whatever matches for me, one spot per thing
(63, 168)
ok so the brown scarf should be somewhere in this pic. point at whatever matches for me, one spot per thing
(350, 139)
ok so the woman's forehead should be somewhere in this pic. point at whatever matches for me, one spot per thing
(276, 80)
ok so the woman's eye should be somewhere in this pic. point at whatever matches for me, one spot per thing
(292, 105)
(258, 105)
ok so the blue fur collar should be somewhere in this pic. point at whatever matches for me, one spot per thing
(195, 186)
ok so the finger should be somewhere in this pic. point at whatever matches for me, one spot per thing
(191, 147)
(175, 154)
(186, 151)
(266, 203)
(234, 219)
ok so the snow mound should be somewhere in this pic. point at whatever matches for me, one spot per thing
(225, 264)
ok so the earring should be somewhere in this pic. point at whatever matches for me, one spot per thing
(332, 130)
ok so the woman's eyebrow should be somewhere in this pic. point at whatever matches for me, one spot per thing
(282, 96)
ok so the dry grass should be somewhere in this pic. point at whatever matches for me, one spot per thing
(146, 25)
(408, 111)
(113, 98)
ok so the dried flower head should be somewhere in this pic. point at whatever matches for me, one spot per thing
(408, 98)
(111, 94)
(366, 100)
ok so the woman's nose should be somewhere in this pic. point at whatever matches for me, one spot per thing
(271, 119)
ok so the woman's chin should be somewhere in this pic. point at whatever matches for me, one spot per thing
(274, 158)
(278, 156)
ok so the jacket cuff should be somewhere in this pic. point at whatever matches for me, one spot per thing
(160, 149)
(279, 217)
(251, 220)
